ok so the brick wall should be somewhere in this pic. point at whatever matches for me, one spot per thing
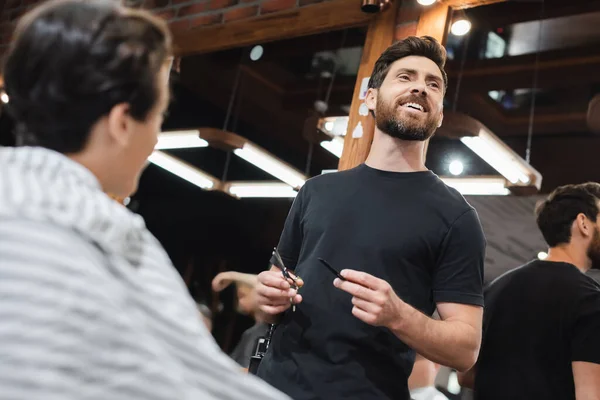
(181, 14)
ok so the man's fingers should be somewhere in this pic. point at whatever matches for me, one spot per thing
(273, 279)
(273, 292)
(363, 315)
(366, 306)
(354, 289)
(274, 310)
(361, 278)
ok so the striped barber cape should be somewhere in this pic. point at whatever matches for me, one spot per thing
(90, 305)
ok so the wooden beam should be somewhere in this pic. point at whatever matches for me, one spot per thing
(309, 20)
(434, 22)
(379, 37)
(462, 4)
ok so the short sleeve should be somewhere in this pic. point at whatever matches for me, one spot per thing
(290, 241)
(458, 274)
(585, 345)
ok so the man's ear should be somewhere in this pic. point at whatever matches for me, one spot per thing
(119, 124)
(441, 118)
(583, 225)
(371, 99)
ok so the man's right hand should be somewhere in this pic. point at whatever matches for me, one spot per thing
(274, 292)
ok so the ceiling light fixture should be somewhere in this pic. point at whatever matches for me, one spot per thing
(259, 190)
(271, 164)
(4, 97)
(335, 146)
(334, 126)
(180, 140)
(184, 170)
(456, 167)
(478, 186)
(502, 158)
(460, 27)
(521, 176)
(425, 2)
(253, 154)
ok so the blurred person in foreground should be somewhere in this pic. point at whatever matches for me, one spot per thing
(245, 286)
(91, 305)
(541, 325)
(421, 381)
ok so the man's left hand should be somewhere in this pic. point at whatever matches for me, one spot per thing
(374, 300)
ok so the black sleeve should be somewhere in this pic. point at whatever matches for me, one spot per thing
(458, 274)
(585, 345)
(290, 241)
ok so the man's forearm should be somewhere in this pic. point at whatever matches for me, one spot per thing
(450, 342)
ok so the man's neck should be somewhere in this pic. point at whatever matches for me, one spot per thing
(567, 254)
(395, 155)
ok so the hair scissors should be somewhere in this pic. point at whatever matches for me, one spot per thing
(286, 274)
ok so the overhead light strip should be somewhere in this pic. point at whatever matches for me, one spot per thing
(478, 186)
(260, 190)
(271, 164)
(335, 146)
(503, 159)
(183, 170)
(180, 140)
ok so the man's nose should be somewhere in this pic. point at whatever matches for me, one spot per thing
(419, 88)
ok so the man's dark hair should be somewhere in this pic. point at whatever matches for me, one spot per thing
(556, 214)
(425, 46)
(72, 61)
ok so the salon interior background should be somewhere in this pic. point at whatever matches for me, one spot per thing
(521, 78)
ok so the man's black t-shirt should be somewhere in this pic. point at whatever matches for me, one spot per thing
(409, 229)
(538, 319)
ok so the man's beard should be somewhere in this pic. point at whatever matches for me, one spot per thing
(387, 120)
(593, 251)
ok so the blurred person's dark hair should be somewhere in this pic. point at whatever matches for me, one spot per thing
(556, 214)
(72, 61)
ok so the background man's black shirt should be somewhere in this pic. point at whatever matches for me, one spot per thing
(538, 319)
(409, 229)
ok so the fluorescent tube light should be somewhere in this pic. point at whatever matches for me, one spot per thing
(335, 146)
(270, 164)
(260, 189)
(478, 186)
(334, 126)
(180, 140)
(183, 170)
(502, 158)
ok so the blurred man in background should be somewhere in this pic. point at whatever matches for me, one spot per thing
(421, 381)
(541, 324)
(246, 305)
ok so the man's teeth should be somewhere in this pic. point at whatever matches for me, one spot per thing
(415, 106)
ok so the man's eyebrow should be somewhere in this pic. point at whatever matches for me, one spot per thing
(434, 77)
(406, 71)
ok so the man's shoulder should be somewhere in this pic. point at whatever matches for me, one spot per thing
(333, 178)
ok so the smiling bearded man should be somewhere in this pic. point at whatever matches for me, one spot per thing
(409, 244)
